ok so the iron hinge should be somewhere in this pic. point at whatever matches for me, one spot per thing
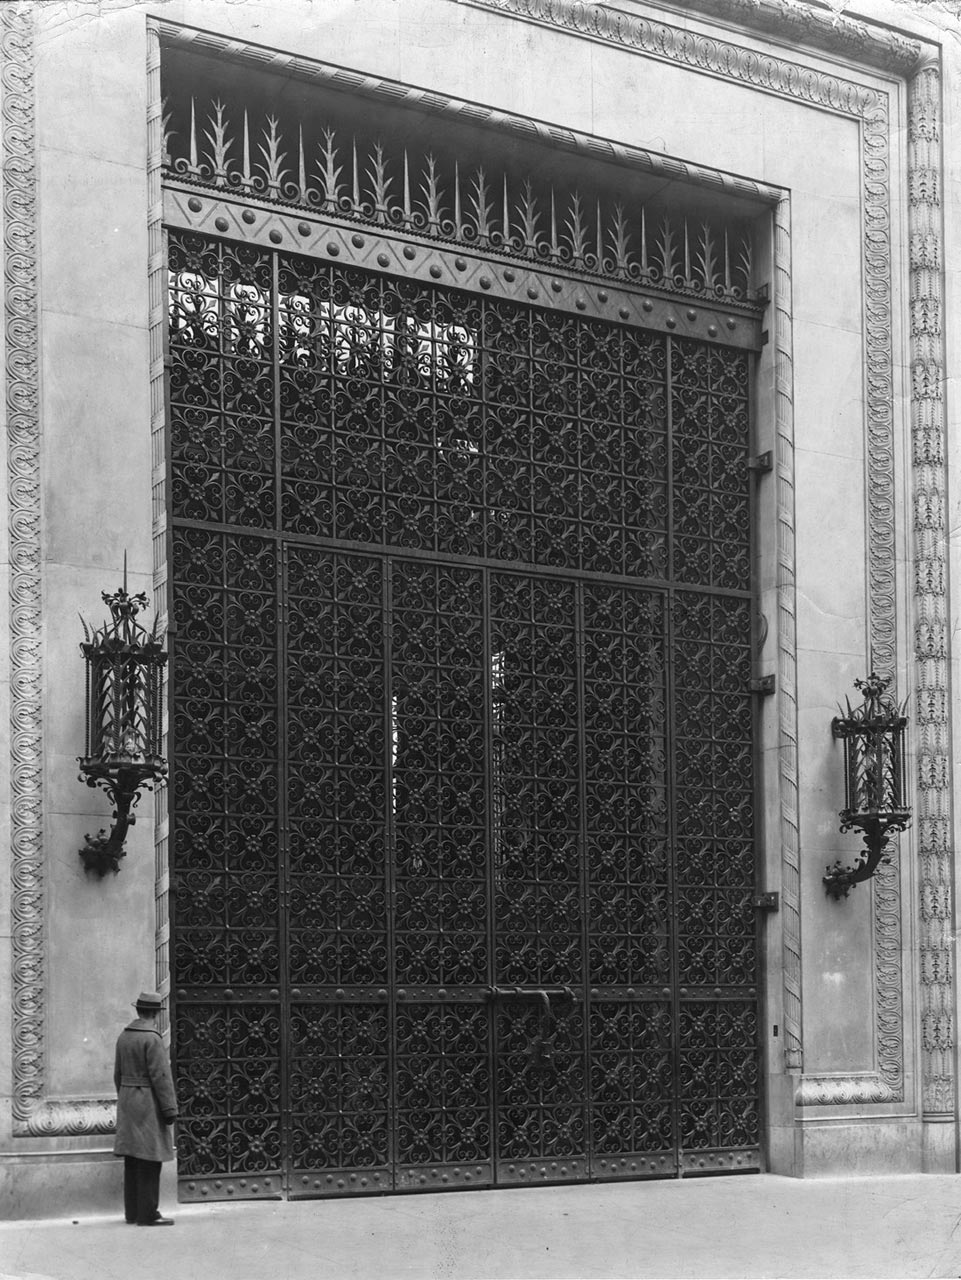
(763, 294)
(767, 901)
(761, 462)
(764, 685)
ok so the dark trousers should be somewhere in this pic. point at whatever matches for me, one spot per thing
(141, 1189)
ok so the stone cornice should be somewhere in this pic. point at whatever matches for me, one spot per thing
(696, 51)
(795, 24)
(790, 22)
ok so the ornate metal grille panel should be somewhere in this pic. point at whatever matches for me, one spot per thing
(462, 800)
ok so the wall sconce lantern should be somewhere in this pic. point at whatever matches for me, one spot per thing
(874, 803)
(124, 665)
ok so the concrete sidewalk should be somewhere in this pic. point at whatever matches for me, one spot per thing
(762, 1226)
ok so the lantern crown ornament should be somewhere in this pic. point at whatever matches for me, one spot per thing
(124, 718)
(874, 796)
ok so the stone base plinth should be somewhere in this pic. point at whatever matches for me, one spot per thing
(861, 1148)
(65, 1186)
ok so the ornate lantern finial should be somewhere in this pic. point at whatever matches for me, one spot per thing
(124, 724)
(874, 801)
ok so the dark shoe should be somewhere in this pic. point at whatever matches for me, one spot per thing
(159, 1221)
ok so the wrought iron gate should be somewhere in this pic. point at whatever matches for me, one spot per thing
(462, 833)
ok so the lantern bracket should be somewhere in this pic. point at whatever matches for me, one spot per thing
(873, 737)
(124, 689)
(840, 880)
(102, 852)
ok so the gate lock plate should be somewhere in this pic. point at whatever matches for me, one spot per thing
(542, 1045)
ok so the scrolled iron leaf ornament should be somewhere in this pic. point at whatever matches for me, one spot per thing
(874, 801)
(124, 690)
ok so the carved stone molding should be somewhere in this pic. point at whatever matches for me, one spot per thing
(790, 822)
(157, 322)
(936, 942)
(793, 22)
(34, 1115)
(706, 54)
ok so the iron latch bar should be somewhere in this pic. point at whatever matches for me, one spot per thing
(542, 1046)
(531, 993)
(762, 462)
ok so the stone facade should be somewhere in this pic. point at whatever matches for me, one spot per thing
(848, 120)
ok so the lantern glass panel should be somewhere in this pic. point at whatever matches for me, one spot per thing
(124, 684)
(123, 730)
(874, 770)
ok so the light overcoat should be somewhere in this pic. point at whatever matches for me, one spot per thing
(145, 1094)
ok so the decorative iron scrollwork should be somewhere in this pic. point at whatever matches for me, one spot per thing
(463, 595)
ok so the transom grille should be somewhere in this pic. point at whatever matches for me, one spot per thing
(476, 178)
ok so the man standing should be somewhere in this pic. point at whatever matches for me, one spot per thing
(146, 1108)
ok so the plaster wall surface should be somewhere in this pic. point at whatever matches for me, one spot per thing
(96, 478)
(96, 496)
